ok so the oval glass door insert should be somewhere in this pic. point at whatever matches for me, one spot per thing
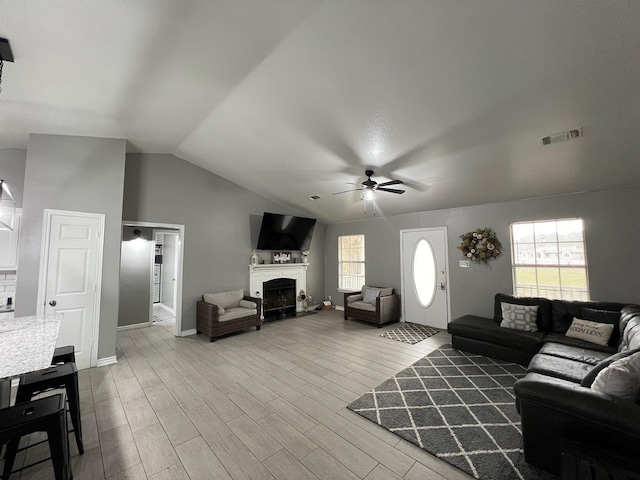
(424, 273)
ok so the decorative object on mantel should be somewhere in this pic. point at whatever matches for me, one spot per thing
(480, 245)
(281, 257)
(304, 299)
(254, 257)
(305, 254)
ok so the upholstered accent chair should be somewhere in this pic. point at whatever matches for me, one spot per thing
(227, 312)
(377, 305)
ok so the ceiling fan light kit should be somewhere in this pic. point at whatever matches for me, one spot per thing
(5, 55)
(369, 188)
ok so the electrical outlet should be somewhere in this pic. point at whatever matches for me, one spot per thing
(463, 263)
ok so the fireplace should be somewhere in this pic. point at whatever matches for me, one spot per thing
(279, 298)
(260, 275)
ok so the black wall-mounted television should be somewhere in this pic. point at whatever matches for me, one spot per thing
(285, 232)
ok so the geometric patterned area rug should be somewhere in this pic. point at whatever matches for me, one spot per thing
(459, 407)
(410, 333)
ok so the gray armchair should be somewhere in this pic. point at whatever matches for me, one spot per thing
(377, 305)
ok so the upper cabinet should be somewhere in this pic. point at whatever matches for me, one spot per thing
(9, 244)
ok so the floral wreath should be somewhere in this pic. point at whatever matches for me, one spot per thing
(480, 245)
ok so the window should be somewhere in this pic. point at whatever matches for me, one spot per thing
(350, 262)
(549, 259)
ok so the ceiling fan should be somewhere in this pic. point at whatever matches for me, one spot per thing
(370, 187)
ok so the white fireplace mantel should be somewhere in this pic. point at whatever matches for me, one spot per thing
(258, 274)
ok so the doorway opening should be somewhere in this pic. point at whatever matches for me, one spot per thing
(164, 278)
(158, 275)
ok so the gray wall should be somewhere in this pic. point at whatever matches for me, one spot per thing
(79, 174)
(136, 265)
(216, 215)
(12, 165)
(612, 228)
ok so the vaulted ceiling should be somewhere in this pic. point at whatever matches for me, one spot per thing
(291, 98)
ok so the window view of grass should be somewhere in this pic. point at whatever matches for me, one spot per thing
(549, 259)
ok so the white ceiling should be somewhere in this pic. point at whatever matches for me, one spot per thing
(291, 98)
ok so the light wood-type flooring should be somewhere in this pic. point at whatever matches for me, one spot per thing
(268, 404)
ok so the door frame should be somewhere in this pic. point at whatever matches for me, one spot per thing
(175, 284)
(48, 214)
(446, 266)
(179, 229)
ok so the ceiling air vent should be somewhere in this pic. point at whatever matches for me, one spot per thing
(561, 137)
(315, 197)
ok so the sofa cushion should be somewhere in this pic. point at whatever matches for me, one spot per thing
(620, 379)
(487, 330)
(564, 311)
(360, 305)
(248, 304)
(559, 367)
(370, 295)
(576, 342)
(630, 328)
(544, 308)
(587, 381)
(578, 354)
(224, 299)
(592, 332)
(604, 316)
(354, 298)
(236, 312)
(519, 317)
(383, 291)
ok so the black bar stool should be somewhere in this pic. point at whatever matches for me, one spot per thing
(64, 376)
(44, 415)
(66, 354)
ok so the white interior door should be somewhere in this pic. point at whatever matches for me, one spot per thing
(425, 298)
(72, 264)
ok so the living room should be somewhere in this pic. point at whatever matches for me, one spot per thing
(452, 175)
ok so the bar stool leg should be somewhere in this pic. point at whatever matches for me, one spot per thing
(59, 446)
(10, 458)
(73, 395)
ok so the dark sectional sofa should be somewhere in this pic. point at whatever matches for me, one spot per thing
(559, 411)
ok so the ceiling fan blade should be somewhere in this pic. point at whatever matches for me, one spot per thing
(391, 190)
(392, 182)
(354, 190)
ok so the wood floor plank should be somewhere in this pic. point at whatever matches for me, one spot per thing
(200, 462)
(284, 466)
(257, 440)
(177, 425)
(156, 452)
(239, 461)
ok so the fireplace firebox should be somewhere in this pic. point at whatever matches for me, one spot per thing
(279, 298)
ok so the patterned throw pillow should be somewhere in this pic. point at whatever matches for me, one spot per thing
(519, 317)
(594, 332)
(370, 295)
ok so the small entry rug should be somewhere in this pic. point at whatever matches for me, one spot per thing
(459, 407)
(411, 333)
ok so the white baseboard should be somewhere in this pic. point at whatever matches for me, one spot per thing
(103, 362)
(135, 325)
(186, 333)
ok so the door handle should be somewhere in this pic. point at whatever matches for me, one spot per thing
(53, 303)
(442, 286)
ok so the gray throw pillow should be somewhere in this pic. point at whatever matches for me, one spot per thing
(519, 317)
(370, 295)
(588, 379)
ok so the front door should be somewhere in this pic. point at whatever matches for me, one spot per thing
(425, 298)
(72, 272)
